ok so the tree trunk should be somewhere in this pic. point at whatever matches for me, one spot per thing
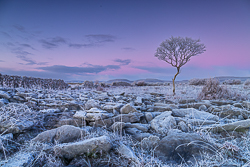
(178, 71)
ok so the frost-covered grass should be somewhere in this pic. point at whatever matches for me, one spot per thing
(229, 150)
(183, 91)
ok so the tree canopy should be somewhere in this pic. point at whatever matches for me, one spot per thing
(177, 51)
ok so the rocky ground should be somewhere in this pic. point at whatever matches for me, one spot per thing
(124, 126)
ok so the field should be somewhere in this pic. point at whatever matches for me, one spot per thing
(137, 125)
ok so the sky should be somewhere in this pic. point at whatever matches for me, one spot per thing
(117, 39)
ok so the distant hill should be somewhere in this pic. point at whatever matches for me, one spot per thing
(223, 78)
(151, 80)
(74, 81)
(148, 80)
(119, 80)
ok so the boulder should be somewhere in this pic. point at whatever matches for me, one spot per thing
(21, 159)
(91, 104)
(234, 126)
(118, 126)
(127, 109)
(184, 101)
(63, 134)
(4, 95)
(246, 104)
(203, 108)
(127, 153)
(90, 146)
(179, 146)
(194, 114)
(131, 117)
(163, 123)
(71, 121)
(80, 114)
(151, 115)
(183, 126)
(161, 107)
(111, 107)
(16, 127)
(93, 114)
(221, 102)
(136, 133)
(139, 126)
(1, 102)
(139, 100)
(195, 122)
(230, 111)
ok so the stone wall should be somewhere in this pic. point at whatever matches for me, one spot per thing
(31, 82)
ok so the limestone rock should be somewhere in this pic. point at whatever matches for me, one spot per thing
(71, 121)
(235, 126)
(142, 127)
(117, 126)
(126, 152)
(93, 114)
(179, 146)
(151, 115)
(91, 104)
(163, 123)
(246, 104)
(184, 101)
(89, 146)
(183, 126)
(194, 114)
(20, 160)
(161, 107)
(127, 109)
(4, 94)
(131, 117)
(63, 134)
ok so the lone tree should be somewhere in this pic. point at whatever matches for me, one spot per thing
(177, 51)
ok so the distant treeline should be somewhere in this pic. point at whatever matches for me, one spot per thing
(31, 82)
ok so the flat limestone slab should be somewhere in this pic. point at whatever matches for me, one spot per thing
(235, 126)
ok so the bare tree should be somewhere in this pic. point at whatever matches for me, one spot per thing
(177, 51)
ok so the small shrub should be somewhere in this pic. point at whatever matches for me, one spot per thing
(88, 84)
(120, 84)
(196, 81)
(247, 82)
(232, 82)
(103, 84)
(140, 83)
(213, 90)
(99, 88)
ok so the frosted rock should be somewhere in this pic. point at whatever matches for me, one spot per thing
(194, 114)
(20, 160)
(127, 109)
(93, 145)
(142, 127)
(126, 152)
(180, 146)
(235, 126)
(151, 115)
(63, 134)
(4, 95)
(163, 122)
(91, 104)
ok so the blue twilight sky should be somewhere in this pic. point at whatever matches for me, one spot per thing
(105, 39)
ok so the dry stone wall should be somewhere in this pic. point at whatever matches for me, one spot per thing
(30, 82)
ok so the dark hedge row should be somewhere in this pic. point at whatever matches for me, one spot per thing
(31, 82)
